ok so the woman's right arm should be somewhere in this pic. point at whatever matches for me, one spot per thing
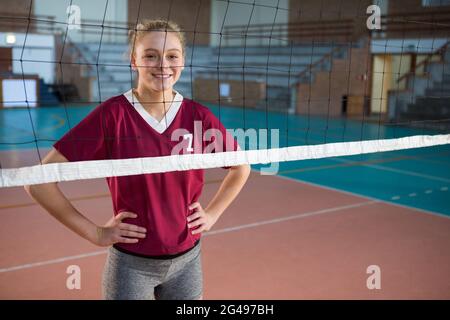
(51, 198)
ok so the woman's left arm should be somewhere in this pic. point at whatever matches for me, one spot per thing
(204, 219)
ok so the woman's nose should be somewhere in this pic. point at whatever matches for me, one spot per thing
(164, 63)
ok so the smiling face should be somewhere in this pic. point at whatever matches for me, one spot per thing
(158, 58)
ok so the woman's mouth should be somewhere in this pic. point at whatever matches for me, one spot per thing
(161, 76)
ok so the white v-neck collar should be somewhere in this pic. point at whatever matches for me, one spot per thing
(168, 118)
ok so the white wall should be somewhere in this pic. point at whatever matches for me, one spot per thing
(116, 10)
(241, 14)
(39, 48)
(14, 94)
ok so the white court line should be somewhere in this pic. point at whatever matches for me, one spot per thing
(296, 216)
(406, 172)
(220, 231)
(404, 206)
(419, 158)
(44, 263)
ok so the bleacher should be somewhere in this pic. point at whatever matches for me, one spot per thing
(115, 75)
(426, 96)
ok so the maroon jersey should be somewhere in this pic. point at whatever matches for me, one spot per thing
(121, 128)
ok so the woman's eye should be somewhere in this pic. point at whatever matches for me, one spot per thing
(150, 57)
(173, 57)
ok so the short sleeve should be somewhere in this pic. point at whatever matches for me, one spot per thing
(86, 141)
(217, 136)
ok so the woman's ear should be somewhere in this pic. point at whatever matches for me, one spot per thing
(133, 62)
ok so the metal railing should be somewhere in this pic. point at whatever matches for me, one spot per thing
(440, 51)
(49, 25)
(400, 24)
(314, 66)
(288, 32)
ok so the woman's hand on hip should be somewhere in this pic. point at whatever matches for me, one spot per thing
(200, 219)
(116, 231)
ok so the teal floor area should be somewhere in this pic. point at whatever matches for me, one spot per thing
(418, 178)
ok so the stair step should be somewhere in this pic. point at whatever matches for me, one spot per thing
(434, 101)
(439, 93)
(275, 50)
(427, 111)
(424, 122)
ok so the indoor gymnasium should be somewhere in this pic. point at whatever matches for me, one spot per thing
(225, 149)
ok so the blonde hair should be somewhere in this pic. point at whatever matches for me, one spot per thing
(154, 25)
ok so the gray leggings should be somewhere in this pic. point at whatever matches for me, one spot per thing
(128, 277)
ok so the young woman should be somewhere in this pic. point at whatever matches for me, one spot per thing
(157, 224)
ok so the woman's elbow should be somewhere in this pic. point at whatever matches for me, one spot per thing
(244, 170)
(35, 188)
(30, 189)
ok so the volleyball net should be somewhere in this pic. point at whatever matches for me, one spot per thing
(287, 83)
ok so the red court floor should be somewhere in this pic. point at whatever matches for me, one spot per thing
(280, 239)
